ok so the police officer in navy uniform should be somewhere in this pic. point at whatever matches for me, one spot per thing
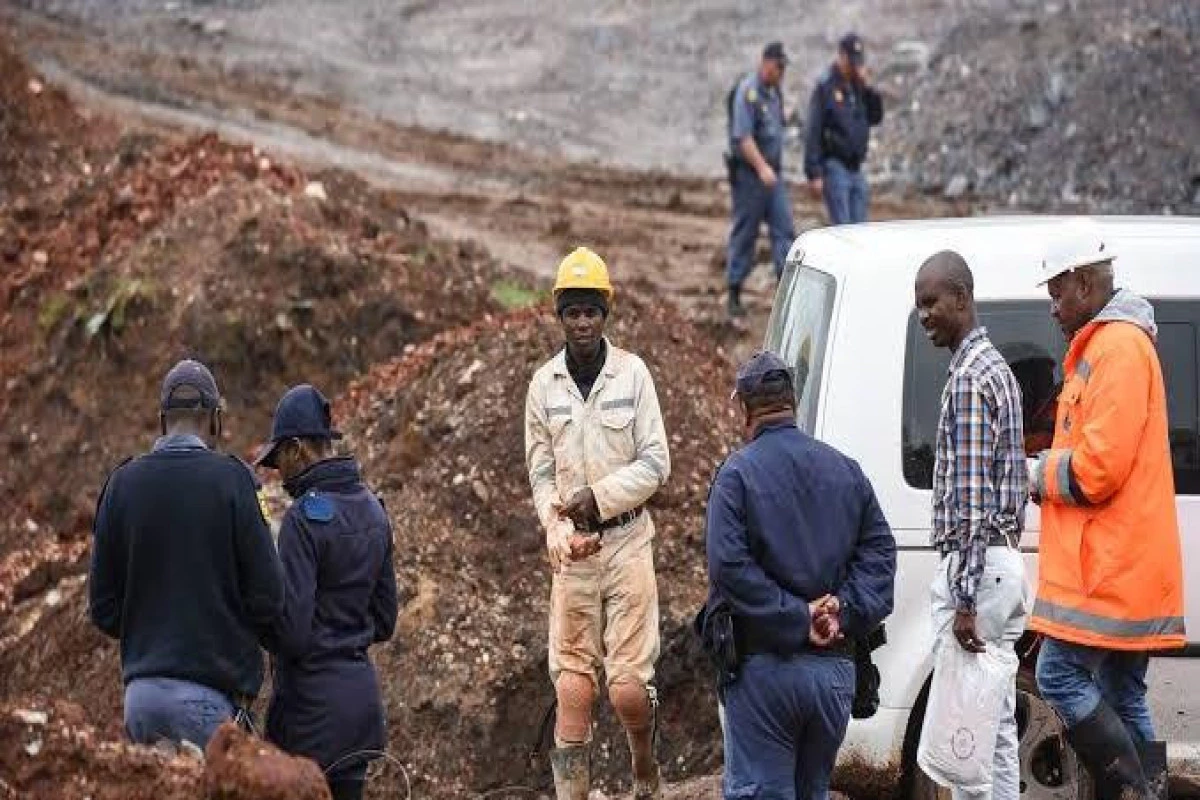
(756, 172)
(340, 598)
(842, 111)
(184, 572)
(800, 562)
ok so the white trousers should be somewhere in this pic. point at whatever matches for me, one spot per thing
(1001, 608)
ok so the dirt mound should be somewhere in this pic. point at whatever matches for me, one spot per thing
(230, 261)
(440, 433)
(1064, 105)
(44, 138)
(48, 750)
(239, 766)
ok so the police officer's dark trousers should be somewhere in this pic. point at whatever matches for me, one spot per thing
(785, 719)
(753, 204)
(846, 193)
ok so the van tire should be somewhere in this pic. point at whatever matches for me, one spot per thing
(1050, 770)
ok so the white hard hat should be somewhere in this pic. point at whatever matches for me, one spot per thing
(1077, 242)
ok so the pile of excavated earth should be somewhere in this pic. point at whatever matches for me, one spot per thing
(123, 251)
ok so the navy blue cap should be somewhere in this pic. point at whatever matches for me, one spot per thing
(774, 52)
(302, 413)
(763, 367)
(852, 45)
(189, 375)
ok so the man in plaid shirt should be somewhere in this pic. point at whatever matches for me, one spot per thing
(979, 491)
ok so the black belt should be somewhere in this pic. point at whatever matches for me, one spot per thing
(995, 539)
(619, 521)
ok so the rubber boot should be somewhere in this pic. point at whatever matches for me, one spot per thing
(1104, 746)
(1153, 756)
(736, 309)
(647, 785)
(572, 766)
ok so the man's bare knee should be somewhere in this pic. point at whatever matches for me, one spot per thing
(576, 695)
(631, 702)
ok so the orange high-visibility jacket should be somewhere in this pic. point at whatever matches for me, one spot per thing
(1110, 572)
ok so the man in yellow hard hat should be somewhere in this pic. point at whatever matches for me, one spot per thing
(596, 451)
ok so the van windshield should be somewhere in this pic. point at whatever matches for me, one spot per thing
(798, 332)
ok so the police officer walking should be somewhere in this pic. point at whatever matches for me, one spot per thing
(184, 572)
(755, 162)
(596, 451)
(800, 561)
(842, 111)
(340, 598)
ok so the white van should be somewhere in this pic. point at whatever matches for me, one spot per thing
(844, 318)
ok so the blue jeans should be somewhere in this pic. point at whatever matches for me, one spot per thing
(158, 709)
(1074, 679)
(754, 203)
(846, 193)
(785, 719)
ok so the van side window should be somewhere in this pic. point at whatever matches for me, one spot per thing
(1178, 325)
(799, 332)
(1033, 346)
(1029, 340)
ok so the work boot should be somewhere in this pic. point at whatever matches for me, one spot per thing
(1104, 746)
(736, 309)
(649, 788)
(572, 772)
(1153, 756)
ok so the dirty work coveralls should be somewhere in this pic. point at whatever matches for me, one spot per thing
(336, 547)
(603, 609)
(757, 112)
(790, 520)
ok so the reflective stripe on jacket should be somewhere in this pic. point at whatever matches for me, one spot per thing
(1110, 571)
(614, 442)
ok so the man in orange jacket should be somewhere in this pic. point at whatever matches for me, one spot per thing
(1110, 577)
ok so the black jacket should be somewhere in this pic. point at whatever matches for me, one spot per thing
(841, 114)
(183, 568)
(336, 548)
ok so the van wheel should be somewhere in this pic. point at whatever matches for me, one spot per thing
(1050, 769)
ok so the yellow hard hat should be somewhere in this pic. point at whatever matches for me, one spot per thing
(583, 269)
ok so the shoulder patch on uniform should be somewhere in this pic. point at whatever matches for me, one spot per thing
(316, 508)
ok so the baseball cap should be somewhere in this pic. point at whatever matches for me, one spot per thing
(302, 413)
(189, 375)
(763, 367)
(852, 45)
(774, 51)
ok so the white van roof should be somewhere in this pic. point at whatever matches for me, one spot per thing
(1155, 255)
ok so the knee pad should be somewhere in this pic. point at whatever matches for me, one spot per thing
(576, 694)
(631, 702)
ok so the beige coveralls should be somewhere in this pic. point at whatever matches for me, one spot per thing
(603, 609)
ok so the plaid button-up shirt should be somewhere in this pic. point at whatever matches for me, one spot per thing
(980, 481)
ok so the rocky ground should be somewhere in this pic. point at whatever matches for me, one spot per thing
(1005, 104)
(128, 247)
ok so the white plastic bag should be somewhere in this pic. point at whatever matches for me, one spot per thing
(958, 736)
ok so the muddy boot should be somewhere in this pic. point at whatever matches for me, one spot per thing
(572, 772)
(735, 308)
(1153, 756)
(646, 782)
(1104, 746)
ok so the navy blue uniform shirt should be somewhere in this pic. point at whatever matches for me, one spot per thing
(841, 114)
(336, 547)
(790, 520)
(758, 112)
(183, 569)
